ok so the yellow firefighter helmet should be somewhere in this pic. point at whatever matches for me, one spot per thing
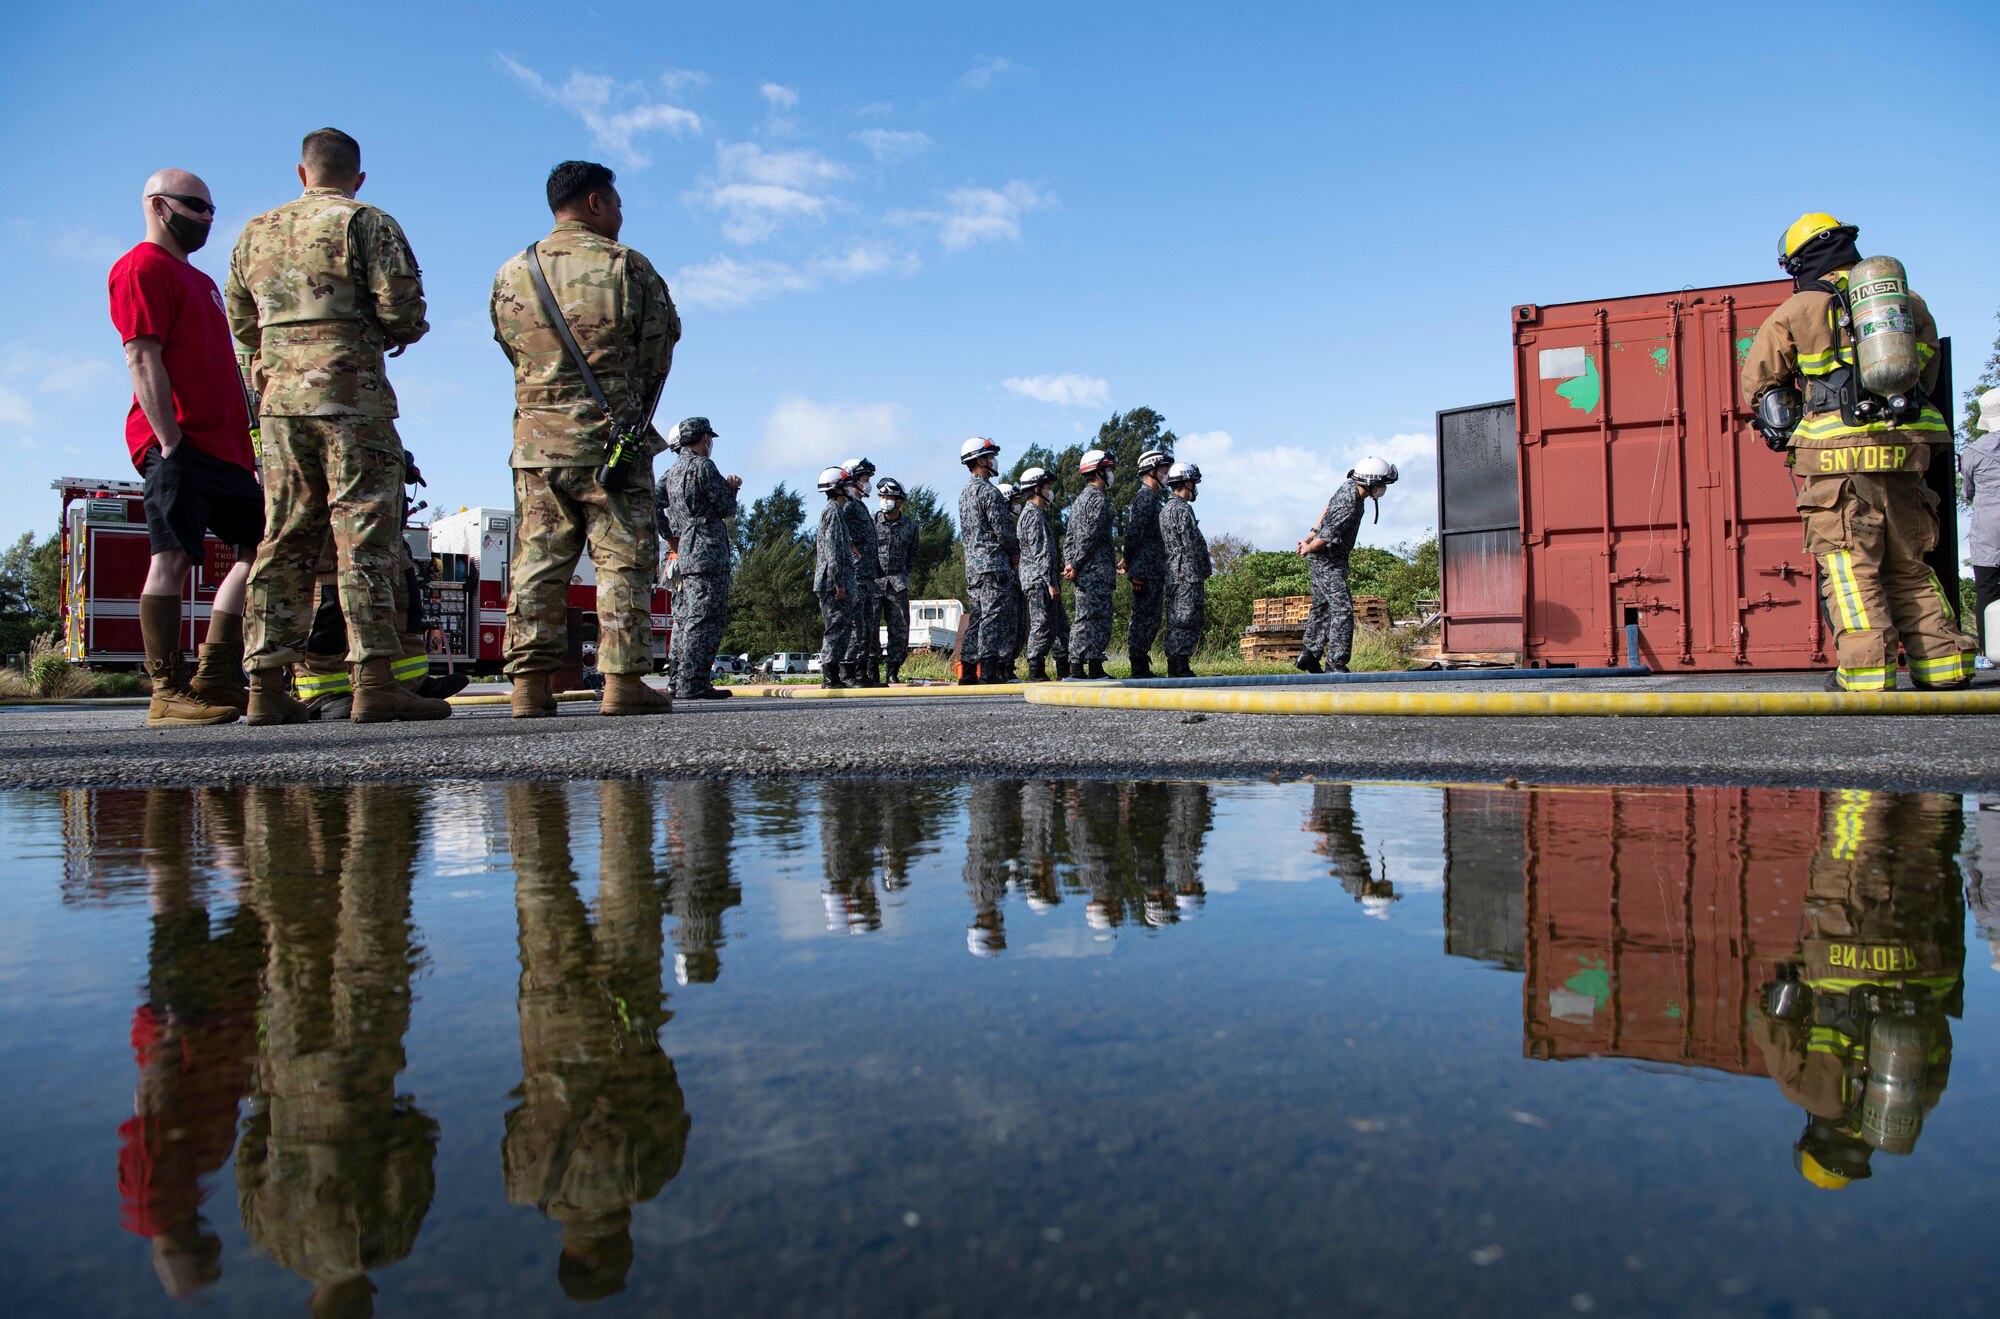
(1806, 228)
(1827, 1179)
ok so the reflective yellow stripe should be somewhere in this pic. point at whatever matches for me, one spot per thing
(314, 685)
(1839, 567)
(1926, 352)
(411, 666)
(1950, 610)
(1871, 679)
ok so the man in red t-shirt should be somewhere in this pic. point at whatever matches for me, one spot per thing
(189, 436)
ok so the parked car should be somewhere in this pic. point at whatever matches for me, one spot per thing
(812, 665)
(788, 661)
(729, 665)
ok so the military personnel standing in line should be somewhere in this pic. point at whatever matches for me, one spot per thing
(1330, 624)
(991, 556)
(833, 577)
(895, 554)
(700, 499)
(701, 833)
(1088, 562)
(1145, 561)
(618, 313)
(1016, 497)
(1188, 569)
(1041, 579)
(318, 289)
(861, 648)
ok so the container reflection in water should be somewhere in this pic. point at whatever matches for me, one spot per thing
(430, 1042)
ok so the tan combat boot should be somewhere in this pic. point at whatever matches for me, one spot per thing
(533, 696)
(175, 704)
(271, 703)
(627, 693)
(218, 673)
(380, 699)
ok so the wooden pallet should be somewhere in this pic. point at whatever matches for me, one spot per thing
(1291, 611)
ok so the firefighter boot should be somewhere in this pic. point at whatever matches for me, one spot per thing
(218, 674)
(627, 693)
(1142, 663)
(533, 697)
(271, 703)
(1038, 669)
(379, 698)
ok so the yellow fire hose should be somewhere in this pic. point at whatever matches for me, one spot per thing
(1513, 703)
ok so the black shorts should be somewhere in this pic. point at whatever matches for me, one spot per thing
(194, 492)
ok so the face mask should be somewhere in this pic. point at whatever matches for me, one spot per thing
(190, 234)
(1110, 479)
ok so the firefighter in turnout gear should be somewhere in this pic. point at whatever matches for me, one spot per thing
(1855, 1027)
(1869, 518)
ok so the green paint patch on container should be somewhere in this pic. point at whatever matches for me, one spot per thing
(1659, 356)
(1586, 391)
(1743, 348)
(1593, 980)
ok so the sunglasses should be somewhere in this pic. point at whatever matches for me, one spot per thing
(199, 205)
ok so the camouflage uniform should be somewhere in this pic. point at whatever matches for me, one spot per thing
(895, 555)
(992, 846)
(990, 551)
(1041, 585)
(699, 499)
(618, 308)
(602, 1124)
(861, 642)
(334, 1173)
(1145, 562)
(849, 822)
(323, 673)
(701, 829)
(833, 570)
(317, 289)
(1330, 624)
(1188, 570)
(1087, 549)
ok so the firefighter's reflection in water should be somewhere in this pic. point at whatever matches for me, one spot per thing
(992, 850)
(1332, 818)
(195, 1035)
(1855, 1027)
(334, 1172)
(701, 828)
(601, 1125)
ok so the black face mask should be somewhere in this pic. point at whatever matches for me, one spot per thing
(1824, 255)
(190, 234)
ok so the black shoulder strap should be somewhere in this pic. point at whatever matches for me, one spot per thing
(533, 257)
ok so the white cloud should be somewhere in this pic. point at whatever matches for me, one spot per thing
(27, 372)
(726, 284)
(889, 144)
(676, 81)
(780, 97)
(86, 245)
(758, 190)
(15, 410)
(989, 71)
(800, 433)
(875, 109)
(591, 97)
(1272, 494)
(1067, 391)
(981, 215)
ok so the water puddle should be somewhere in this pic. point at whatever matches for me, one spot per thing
(999, 1048)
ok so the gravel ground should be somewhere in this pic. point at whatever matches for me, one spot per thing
(970, 736)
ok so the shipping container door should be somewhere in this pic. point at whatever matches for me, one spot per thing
(1479, 528)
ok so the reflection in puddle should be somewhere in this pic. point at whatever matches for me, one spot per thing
(425, 1036)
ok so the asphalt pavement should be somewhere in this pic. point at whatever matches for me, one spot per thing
(977, 736)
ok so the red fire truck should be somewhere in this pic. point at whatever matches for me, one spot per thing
(105, 554)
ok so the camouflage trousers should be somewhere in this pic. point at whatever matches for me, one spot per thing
(1090, 635)
(993, 596)
(558, 511)
(837, 618)
(701, 612)
(1048, 624)
(337, 476)
(1187, 613)
(892, 604)
(1870, 534)
(324, 671)
(1020, 639)
(1330, 623)
(1147, 605)
(861, 642)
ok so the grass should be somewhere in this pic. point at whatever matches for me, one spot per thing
(49, 675)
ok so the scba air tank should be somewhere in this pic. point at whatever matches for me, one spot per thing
(1885, 327)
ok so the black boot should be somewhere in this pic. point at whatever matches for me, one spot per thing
(1038, 669)
(1062, 667)
(1177, 667)
(895, 674)
(1095, 669)
(831, 676)
(1142, 663)
(1007, 673)
(1307, 662)
(874, 673)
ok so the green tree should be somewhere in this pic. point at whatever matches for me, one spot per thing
(782, 513)
(772, 605)
(937, 539)
(30, 592)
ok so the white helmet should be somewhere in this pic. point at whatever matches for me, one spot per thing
(832, 478)
(1006, 489)
(982, 942)
(1032, 479)
(1151, 459)
(976, 448)
(1989, 410)
(1373, 471)
(1096, 915)
(1184, 474)
(1095, 460)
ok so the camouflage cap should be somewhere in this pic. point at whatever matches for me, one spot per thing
(690, 430)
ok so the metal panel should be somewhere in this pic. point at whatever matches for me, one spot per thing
(1479, 528)
(1484, 851)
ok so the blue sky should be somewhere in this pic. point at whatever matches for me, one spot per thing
(1294, 230)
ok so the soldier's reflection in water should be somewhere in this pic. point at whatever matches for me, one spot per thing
(334, 1169)
(848, 821)
(1855, 1026)
(1136, 850)
(1189, 817)
(1042, 844)
(601, 1125)
(1332, 818)
(701, 828)
(195, 1037)
(992, 848)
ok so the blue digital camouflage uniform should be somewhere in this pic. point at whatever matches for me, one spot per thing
(987, 529)
(895, 555)
(861, 602)
(833, 572)
(1145, 567)
(1087, 549)
(699, 498)
(1330, 624)
(1188, 569)
(1041, 585)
